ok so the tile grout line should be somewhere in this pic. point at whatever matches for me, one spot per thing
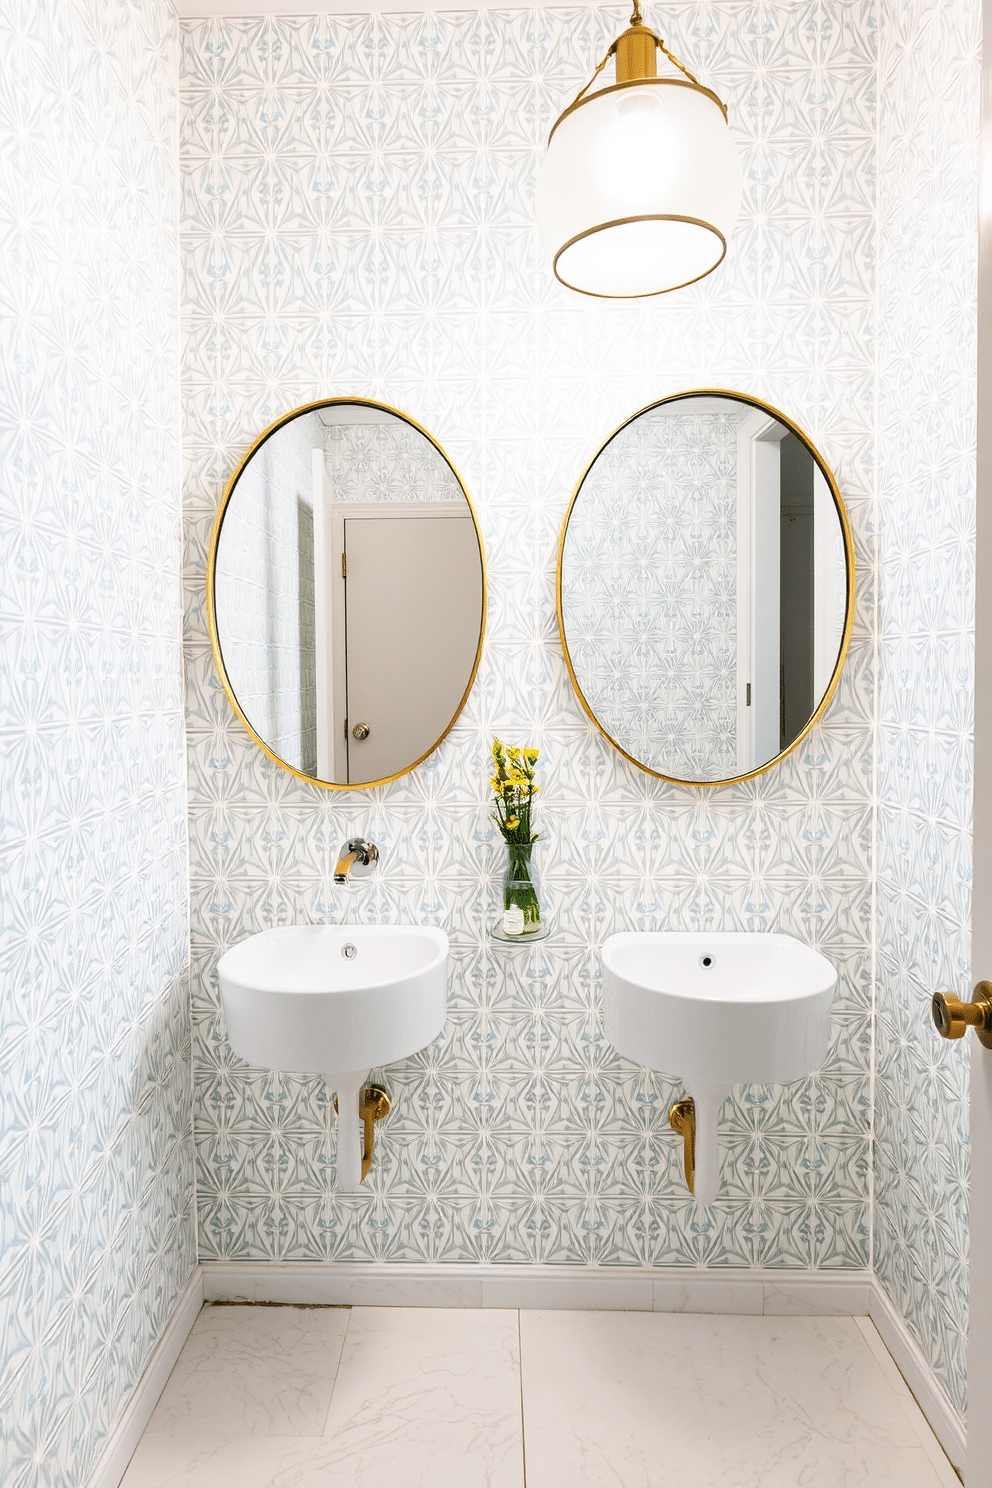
(523, 1434)
(337, 1371)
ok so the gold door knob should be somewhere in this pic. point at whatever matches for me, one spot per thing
(952, 1017)
(361, 731)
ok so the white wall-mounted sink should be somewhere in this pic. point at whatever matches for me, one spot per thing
(335, 1000)
(717, 1009)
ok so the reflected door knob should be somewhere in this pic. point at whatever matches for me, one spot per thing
(952, 1017)
(361, 731)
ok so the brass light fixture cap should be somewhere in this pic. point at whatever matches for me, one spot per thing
(636, 52)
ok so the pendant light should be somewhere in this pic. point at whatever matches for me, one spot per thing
(641, 185)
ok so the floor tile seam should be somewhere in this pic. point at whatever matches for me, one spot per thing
(337, 1370)
(523, 1413)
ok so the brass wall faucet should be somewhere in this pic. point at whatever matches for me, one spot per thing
(357, 857)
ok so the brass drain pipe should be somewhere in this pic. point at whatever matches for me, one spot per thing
(682, 1116)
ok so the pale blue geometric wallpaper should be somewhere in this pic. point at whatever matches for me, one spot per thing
(96, 1179)
(649, 591)
(927, 347)
(358, 219)
(386, 462)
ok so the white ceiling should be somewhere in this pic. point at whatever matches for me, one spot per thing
(355, 413)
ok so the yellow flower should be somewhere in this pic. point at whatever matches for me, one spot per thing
(513, 754)
(530, 755)
(514, 822)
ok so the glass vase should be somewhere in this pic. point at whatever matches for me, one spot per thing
(520, 919)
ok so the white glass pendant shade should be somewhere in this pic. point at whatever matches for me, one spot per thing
(640, 189)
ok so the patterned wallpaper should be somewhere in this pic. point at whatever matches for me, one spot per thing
(358, 219)
(96, 1176)
(386, 462)
(265, 592)
(649, 591)
(928, 266)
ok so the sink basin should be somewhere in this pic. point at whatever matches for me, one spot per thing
(335, 1000)
(717, 1009)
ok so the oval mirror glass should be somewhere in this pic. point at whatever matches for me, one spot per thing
(706, 587)
(346, 593)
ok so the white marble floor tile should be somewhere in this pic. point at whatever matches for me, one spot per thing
(425, 1398)
(651, 1400)
(254, 1371)
(203, 1459)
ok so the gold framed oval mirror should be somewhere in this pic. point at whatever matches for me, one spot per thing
(705, 587)
(346, 593)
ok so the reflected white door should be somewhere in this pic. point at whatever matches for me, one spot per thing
(407, 577)
(323, 560)
(758, 586)
(829, 584)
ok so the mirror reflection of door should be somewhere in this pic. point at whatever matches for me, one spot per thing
(791, 588)
(406, 587)
(399, 596)
(703, 587)
(347, 593)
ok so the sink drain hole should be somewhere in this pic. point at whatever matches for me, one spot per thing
(349, 951)
(706, 962)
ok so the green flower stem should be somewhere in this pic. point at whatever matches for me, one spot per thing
(519, 889)
(513, 799)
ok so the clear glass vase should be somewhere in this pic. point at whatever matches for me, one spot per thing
(520, 918)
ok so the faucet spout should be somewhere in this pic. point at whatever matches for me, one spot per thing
(358, 857)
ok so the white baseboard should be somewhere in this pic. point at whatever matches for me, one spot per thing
(625, 1289)
(119, 1450)
(945, 1422)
